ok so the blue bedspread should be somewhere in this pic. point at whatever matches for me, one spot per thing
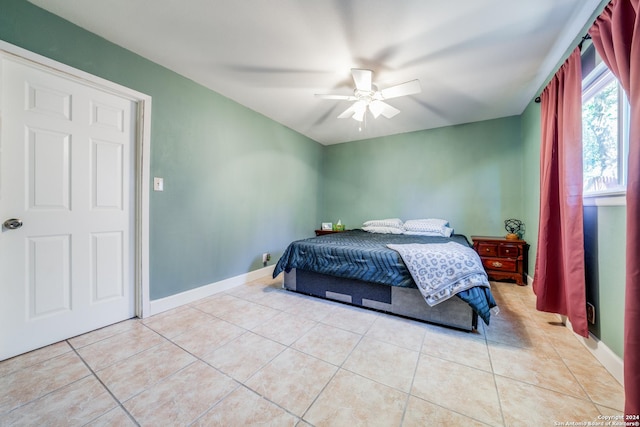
(365, 256)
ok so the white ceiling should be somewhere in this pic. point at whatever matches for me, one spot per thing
(475, 59)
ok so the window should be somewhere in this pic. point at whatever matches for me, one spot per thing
(605, 125)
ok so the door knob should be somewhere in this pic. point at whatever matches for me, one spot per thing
(12, 224)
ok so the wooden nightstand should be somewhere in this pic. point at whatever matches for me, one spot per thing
(503, 258)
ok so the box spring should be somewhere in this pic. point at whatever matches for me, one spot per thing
(407, 302)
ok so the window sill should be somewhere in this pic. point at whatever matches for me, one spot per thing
(618, 198)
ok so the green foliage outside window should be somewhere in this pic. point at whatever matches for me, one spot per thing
(600, 139)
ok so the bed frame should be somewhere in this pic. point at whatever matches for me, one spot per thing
(407, 302)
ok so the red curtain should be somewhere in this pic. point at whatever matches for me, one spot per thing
(559, 278)
(616, 35)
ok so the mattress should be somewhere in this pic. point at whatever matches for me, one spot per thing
(356, 254)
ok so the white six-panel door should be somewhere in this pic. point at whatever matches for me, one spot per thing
(66, 172)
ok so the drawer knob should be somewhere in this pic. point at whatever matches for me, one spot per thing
(507, 251)
(497, 264)
(487, 249)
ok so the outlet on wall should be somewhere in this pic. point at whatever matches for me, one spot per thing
(266, 257)
(591, 313)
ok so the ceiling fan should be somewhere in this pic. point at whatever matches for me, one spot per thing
(367, 96)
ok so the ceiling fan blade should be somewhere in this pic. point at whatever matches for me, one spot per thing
(362, 79)
(388, 111)
(356, 111)
(348, 112)
(406, 88)
(338, 97)
(378, 107)
(360, 108)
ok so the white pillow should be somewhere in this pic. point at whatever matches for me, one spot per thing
(445, 232)
(390, 222)
(434, 225)
(383, 230)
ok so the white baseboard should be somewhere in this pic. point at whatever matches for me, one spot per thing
(186, 297)
(610, 360)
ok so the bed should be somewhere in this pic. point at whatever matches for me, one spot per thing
(371, 270)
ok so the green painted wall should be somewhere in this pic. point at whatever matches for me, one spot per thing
(236, 183)
(469, 174)
(611, 275)
(609, 249)
(531, 177)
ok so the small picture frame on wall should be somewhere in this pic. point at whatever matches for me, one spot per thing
(327, 226)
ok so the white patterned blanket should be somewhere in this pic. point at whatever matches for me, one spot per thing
(441, 270)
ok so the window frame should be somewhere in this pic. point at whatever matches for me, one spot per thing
(598, 78)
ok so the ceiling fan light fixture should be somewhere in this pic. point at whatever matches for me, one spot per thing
(368, 96)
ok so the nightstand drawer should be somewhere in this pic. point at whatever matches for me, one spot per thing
(487, 249)
(504, 264)
(510, 251)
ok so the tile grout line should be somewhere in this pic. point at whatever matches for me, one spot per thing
(495, 383)
(289, 347)
(120, 404)
(453, 410)
(330, 379)
(582, 387)
(340, 366)
(493, 373)
(413, 378)
(241, 383)
(50, 392)
(238, 382)
(588, 398)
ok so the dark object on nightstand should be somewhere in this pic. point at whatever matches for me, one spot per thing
(503, 258)
(515, 228)
(323, 232)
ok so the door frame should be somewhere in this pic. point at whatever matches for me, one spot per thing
(142, 162)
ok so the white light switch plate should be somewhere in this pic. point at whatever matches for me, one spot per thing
(158, 184)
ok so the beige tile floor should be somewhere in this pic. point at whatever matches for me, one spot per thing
(259, 355)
